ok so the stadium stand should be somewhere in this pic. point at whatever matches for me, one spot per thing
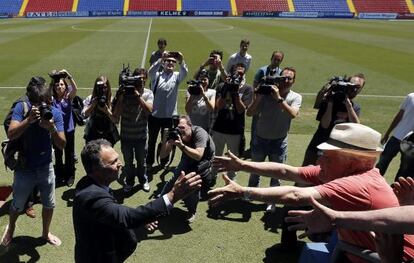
(381, 6)
(321, 5)
(49, 5)
(10, 6)
(153, 5)
(261, 5)
(203, 5)
(100, 5)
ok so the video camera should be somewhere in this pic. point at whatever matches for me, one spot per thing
(57, 75)
(232, 85)
(340, 87)
(265, 87)
(173, 132)
(127, 82)
(194, 87)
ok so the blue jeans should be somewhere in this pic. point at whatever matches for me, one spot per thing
(275, 150)
(390, 151)
(25, 180)
(134, 149)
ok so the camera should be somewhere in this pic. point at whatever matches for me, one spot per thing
(265, 87)
(194, 87)
(127, 82)
(57, 75)
(45, 111)
(173, 132)
(232, 85)
(340, 87)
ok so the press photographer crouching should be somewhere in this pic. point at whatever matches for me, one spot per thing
(98, 110)
(133, 105)
(200, 101)
(197, 149)
(335, 105)
(37, 124)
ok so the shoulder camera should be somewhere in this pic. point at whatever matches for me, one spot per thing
(340, 87)
(265, 87)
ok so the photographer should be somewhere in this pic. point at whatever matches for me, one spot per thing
(274, 107)
(232, 99)
(214, 68)
(164, 85)
(197, 149)
(335, 109)
(200, 101)
(64, 90)
(98, 108)
(133, 108)
(38, 129)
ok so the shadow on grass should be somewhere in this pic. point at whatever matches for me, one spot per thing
(22, 246)
(174, 224)
(229, 209)
(68, 196)
(279, 254)
(4, 210)
(273, 221)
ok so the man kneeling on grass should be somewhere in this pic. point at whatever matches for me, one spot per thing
(345, 179)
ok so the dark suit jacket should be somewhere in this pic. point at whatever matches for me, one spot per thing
(103, 228)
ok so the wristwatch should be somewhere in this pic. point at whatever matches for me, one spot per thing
(247, 193)
(280, 100)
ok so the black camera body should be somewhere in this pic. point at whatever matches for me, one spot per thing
(45, 111)
(173, 132)
(340, 87)
(265, 87)
(232, 85)
(57, 75)
(127, 82)
(194, 87)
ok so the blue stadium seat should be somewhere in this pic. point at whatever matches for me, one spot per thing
(101, 5)
(206, 5)
(10, 6)
(321, 6)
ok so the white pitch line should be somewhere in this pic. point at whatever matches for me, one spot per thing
(304, 94)
(146, 45)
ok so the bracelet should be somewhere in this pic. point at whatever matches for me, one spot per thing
(247, 194)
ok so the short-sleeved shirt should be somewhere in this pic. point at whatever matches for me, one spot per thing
(199, 114)
(155, 55)
(406, 123)
(37, 140)
(236, 58)
(133, 119)
(199, 139)
(358, 192)
(228, 120)
(65, 108)
(164, 85)
(272, 121)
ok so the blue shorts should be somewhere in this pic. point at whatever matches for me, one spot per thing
(43, 178)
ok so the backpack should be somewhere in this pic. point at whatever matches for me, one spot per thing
(77, 107)
(12, 150)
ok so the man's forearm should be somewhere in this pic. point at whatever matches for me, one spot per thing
(397, 220)
(273, 170)
(281, 194)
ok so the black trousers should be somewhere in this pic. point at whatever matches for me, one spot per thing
(65, 170)
(154, 127)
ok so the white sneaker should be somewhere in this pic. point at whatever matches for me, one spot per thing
(146, 187)
(191, 218)
(271, 208)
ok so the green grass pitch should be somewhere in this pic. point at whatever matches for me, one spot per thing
(319, 49)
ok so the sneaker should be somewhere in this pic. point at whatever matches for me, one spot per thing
(127, 188)
(191, 218)
(146, 187)
(271, 208)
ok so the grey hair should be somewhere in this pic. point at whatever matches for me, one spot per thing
(91, 154)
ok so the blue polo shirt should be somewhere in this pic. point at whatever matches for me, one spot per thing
(37, 140)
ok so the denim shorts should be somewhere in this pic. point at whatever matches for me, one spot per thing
(25, 180)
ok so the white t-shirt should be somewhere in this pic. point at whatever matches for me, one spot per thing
(407, 121)
(199, 114)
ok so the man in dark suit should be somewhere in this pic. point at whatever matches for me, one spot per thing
(103, 228)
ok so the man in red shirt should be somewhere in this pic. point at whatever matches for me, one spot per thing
(345, 179)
